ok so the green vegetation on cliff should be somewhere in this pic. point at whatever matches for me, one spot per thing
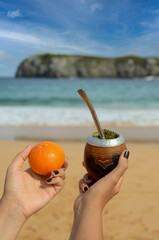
(46, 57)
(134, 59)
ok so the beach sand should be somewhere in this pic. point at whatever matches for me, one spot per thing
(133, 214)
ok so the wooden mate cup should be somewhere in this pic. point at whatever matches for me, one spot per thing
(101, 155)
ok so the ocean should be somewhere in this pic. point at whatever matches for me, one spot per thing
(56, 101)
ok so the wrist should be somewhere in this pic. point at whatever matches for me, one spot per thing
(12, 211)
(11, 215)
(88, 206)
(87, 220)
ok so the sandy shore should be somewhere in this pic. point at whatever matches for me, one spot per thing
(131, 215)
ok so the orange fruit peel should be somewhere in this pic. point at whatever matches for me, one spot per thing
(46, 157)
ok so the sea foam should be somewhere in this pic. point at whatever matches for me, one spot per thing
(40, 115)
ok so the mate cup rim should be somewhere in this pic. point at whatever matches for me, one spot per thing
(98, 142)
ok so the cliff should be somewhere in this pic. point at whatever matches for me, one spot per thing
(66, 66)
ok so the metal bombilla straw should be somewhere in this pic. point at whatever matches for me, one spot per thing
(92, 110)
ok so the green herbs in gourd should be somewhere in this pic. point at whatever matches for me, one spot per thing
(107, 134)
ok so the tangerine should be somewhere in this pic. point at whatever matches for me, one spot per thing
(46, 157)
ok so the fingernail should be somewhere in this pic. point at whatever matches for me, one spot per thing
(56, 172)
(85, 189)
(88, 178)
(126, 154)
(49, 180)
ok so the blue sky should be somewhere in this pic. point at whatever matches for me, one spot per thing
(107, 28)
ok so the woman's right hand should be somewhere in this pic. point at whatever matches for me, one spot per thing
(92, 199)
(101, 192)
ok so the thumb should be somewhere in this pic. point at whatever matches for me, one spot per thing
(114, 176)
(18, 161)
(110, 180)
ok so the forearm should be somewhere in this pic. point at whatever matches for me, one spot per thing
(11, 221)
(87, 224)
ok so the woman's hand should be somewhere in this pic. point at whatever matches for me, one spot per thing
(27, 190)
(100, 193)
(92, 199)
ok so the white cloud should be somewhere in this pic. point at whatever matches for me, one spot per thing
(19, 36)
(14, 14)
(3, 55)
(95, 6)
(48, 40)
(154, 11)
(1, 52)
(152, 24)
(83, 1)
(145, 45)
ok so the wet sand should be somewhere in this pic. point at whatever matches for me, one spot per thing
(78, 132)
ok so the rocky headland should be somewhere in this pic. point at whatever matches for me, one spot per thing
(77, 66)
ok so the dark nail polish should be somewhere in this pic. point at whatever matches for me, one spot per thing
(49, 180)
(85, 189)
(126, 154)
(56, 172)
(88, 178)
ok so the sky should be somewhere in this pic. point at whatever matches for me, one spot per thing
(107, 28)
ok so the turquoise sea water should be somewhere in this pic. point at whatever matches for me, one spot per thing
(56, 101)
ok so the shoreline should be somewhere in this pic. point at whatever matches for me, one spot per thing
(77, 132)
(70, 115)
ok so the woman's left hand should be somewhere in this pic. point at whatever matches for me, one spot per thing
(28, 190)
